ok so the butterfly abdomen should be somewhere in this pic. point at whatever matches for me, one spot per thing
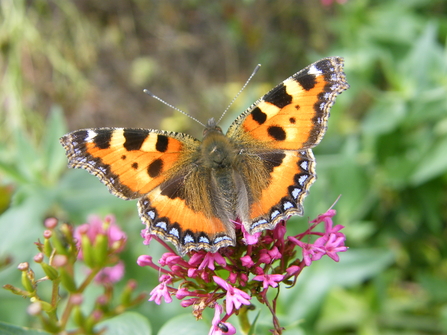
(226, 188)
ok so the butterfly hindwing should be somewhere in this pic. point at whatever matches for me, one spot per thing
(289, 183)
(187, 229)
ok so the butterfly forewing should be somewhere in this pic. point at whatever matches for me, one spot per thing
(130, 162)
(294, 114)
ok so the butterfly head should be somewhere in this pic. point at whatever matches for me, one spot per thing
(211, 127)
(217, 150)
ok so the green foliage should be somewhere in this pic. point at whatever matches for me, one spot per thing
(127, 323)
(384, 150)
(7, 329)
(182, 325)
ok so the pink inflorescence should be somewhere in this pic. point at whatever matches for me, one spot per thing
(114, 238)
(234, 275)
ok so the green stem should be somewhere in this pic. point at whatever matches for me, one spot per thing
(69, 307)
(243, 319)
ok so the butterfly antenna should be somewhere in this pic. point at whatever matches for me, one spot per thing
(336, 200)
(234, 99)
(173, 107)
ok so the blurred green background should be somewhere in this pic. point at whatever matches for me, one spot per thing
(73, 64)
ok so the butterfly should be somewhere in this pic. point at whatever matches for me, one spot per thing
(191, 192)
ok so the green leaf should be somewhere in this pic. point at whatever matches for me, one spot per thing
(184, 324)
(27, 157)
(126, 324)
(21, 225)
(433, 164)
(80, 193)
(385, 116)
(7, 329)
(314, 283)
(53, 153)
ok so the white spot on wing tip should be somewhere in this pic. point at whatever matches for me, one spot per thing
(313, 70)
(91, 134)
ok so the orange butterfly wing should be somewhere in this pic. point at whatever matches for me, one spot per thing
(130, 162)
(167, 170)
(289, 120)
(151, 165)
(294, 115)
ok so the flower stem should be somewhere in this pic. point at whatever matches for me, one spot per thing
(243, 319)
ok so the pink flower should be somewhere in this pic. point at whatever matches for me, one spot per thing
(269, 280)
(161, 290)
(280, 231)
(188, 302)
(335, 244)
(196, 258)
(274, 253)
(327, 219)
(248, 239)
(147, 236)
(235, 297)
(182, 293)
(265, 257)
(218, 327)
(170, 259)
(193, 273)
(247, 261)
(145, 260)
(95, 226)
(110, 274)
(330, 2)
(209, 260)
(311, 252)
(294, 269)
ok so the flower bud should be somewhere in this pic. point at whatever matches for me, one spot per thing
(51, 272)
(47, 246)
(126, 296)
(23, 266)
(76, 299)
(27, 282)
(100, 249)
(58, 244)
(34, 309)
(50, 223)
(87, 251)
(47, 307)
(78, 316)
(67, 280)
(59, 261)
(38, 258)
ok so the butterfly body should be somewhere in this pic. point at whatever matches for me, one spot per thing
(191, 192)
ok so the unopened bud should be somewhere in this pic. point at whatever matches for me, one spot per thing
(38, 258)
(59, 261)
(50, 223)
(23, 266)
(50, 271)
(67, 280)
(34, 309)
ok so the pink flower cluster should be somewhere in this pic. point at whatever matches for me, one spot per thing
(235, 275)
(331, 2)
(102, 234)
